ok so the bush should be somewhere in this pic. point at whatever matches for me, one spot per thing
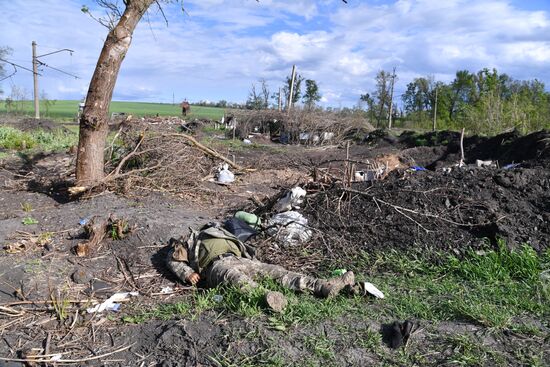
(11, 138)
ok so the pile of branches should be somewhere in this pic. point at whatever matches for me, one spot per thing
(300, 126)
(157, 161)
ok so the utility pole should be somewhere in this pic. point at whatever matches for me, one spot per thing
(435, 110)
(35, 63)
(35, 80)
(291, 94)
(391, 99)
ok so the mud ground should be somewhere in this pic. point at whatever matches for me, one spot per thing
(468, 208)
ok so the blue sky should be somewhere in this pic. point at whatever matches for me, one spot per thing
(218, 48)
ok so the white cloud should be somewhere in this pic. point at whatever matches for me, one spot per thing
(218, 48)
(293, 47)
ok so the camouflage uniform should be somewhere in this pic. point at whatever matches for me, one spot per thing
(232, 262)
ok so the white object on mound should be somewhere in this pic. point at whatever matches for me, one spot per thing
(292, 200)
(481, 163)
(289, 227)
(225, 176)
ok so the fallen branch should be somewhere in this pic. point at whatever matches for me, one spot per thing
(399, 208)
(40, 359)
(209, 151)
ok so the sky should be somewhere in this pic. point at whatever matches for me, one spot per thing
(216, 49)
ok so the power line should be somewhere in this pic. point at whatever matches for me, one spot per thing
(56, 69)
(19, 66)
(12, 74)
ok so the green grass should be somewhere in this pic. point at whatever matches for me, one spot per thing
(29, 221)
(67, 110)
(491, 289)
(466, 351)
(14, 139)
(500, 290)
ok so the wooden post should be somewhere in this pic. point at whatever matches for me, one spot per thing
(435, 111)
(391, 99)
(347, 173)
(461, 163)
(289, 105)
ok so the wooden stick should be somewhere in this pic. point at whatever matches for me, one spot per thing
(209, 151)
(61, 361)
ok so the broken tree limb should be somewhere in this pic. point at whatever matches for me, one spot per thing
(96, 229)
(209, 151)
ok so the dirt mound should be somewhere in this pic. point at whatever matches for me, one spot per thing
(456, 211)
(29, 124)
(443, 148)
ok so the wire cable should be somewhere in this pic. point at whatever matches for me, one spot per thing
(58, 70)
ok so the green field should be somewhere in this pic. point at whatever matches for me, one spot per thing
(66, 110)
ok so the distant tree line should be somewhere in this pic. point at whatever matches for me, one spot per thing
(259, 96)
(482, 102)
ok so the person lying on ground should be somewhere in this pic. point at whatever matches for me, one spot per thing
(214, 256)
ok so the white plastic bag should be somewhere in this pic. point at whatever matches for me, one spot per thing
(225, 176)
(113, 302)
(292, 200)
(289, 227)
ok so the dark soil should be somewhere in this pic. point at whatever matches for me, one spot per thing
(28, 124)
(466, 209)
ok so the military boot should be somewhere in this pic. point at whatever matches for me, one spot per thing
(330, 288)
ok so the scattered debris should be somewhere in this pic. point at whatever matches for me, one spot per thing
(251, 219)
(290, 227)
(512, 166)
(113, 302)
(240, 229)
(481, 163)
(369, 288)
(292, 200)
(95, 229)
(224, 175)
(27, 241)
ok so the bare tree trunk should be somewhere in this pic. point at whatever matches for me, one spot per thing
(93, 121)
(391, 100)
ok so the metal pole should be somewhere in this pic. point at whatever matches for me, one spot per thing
(35, 79)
